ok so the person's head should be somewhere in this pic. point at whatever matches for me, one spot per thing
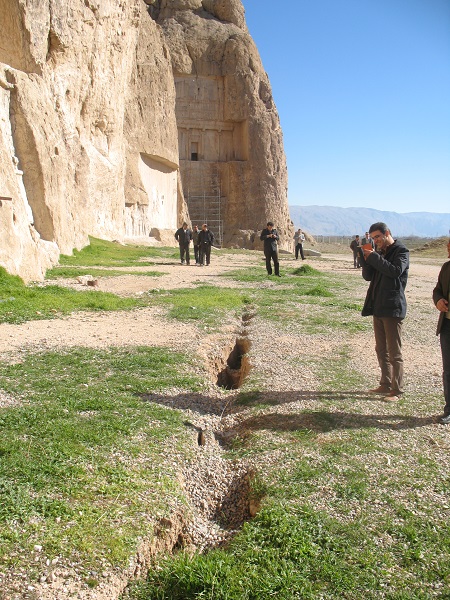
(356, 237)
(184, 225)
(204, 227)
(381, 235)
(270, 225)
(195, 227)
(366, 234)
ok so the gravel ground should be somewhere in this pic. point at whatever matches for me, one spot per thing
(217, 488)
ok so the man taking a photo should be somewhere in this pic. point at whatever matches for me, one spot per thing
(386, 268)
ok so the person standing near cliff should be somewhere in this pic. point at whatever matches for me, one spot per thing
(270, 238)
(387, 270)
(205, 241)
(195, 233)
(183, 235)
(441, 298)
(299, 238)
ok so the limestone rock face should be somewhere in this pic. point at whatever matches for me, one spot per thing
(115, 114)
(227, 10)
(85, 148)
(232, 160)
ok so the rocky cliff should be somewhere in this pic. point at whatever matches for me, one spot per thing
(119, 119)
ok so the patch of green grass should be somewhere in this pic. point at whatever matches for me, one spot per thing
(284, 553)
(83, 453)
(70, 272)
(307, 270)
(258, 274)
(354, 485)
(205, 303)
(291, 550)
(19, 303)
(107, 254)
(253, 275)
(318, 290)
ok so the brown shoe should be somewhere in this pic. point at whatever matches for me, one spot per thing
(382, 389)
(393, 396)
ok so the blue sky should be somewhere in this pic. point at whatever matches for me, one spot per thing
(362, 88)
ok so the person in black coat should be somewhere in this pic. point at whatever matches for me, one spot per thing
(270, 238)
(441, 298)
(183, 235)
(205, 241)
(355, 245)
(195, 234)
(387, 270)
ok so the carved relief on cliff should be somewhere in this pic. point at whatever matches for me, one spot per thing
(203, 132)
(231, 150)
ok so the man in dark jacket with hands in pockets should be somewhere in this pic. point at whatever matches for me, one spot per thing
(386, 268)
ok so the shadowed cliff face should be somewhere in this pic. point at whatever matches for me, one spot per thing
(109, 122)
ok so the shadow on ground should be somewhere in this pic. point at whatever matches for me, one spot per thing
(318, 421)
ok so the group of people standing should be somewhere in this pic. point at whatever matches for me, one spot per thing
(355, 246)
(202, 240)
(385, 265)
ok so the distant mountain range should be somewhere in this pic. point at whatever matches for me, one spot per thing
(332, 220)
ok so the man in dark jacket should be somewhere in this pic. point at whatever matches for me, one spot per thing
(355, 245)
(270, 238)
(205, 241)
(195, 233)
(441, 298)
(387, 270)
(183, 235)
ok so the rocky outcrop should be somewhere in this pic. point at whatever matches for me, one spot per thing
(94, 98)
(232, 160)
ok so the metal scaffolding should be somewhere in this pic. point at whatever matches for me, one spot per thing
(206, 206)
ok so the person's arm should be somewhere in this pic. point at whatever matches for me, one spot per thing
(176, 235)
(275, 232)
(263, 235)
(439, 299)
(367, 271)
(394, 268)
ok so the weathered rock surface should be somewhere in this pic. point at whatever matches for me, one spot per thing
(115, 115)
(231, 145)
